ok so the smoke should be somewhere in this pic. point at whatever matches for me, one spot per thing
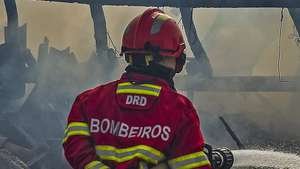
(67, 24)
(245, 42)
(268, 159)
(64, 24)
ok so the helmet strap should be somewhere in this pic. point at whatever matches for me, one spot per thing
(148, 59)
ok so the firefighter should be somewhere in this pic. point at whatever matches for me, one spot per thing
(139, 121)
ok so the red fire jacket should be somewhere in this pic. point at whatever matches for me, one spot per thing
(135, 122)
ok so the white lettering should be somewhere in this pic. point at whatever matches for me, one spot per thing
(94, 128)
(114, 128)
(104, 128)
(140, 131)
(133, 131)
(129, 99)
(158, 128)
(166, 133)
(146, 132)
(118, 128)
(123, 132)
(143, 101)
(136, 100)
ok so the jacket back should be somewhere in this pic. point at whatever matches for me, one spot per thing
(139, 120)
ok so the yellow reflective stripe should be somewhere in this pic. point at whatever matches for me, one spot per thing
(123, 150)
(125, 84)
(138, 91)
(76, 124)
(146, 85)
(188, 161)
(163, 17)
(144, 152)
(194, 165)
(146, 89)
(73, 133)
(186, 157)
(92, 164)
(95, 165)
(82, 124)
(127, 158)
(148, 58)
(76, 128)
(158, 22)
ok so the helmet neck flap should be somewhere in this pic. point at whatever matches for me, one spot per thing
(154, 69)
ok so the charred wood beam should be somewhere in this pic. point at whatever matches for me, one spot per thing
(12, 32)
(99, 27)
(12, 13)
(239, 84)
(194, 42)
(232, 133)
(193, 3)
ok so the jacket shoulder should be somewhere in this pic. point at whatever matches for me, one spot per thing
(178, 100)
(96, 91)
(186, 107)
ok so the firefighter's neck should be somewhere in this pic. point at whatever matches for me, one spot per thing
(155, 69)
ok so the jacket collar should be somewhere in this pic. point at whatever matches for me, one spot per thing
(140, 78)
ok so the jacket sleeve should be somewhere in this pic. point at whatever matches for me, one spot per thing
(77, 143)
(187, 148)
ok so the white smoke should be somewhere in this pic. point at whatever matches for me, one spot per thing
(259, 158)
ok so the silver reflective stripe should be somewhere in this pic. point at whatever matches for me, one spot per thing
(127, 154)
(78, 128)
(157, 23)
(139, 88)
(188, 162)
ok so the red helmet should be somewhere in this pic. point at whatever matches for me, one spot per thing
(153, 31)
